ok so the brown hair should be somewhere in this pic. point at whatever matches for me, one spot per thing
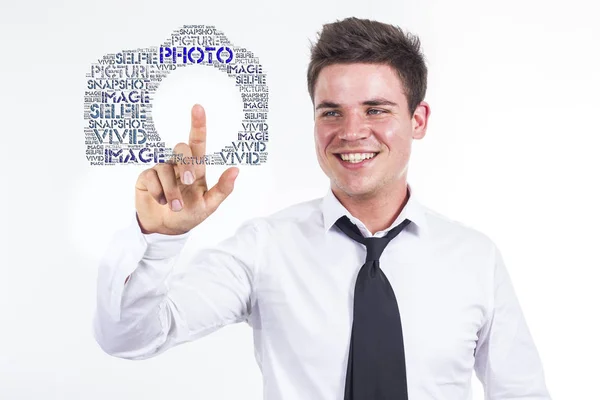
(354, 40)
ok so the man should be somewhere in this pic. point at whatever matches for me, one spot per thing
(364, 294)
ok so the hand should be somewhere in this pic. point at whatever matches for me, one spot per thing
(173, 198)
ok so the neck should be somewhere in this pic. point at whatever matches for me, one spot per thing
(376, 210)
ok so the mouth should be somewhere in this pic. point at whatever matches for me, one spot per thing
(356, 159)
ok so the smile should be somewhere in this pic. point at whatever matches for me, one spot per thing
(355, 157)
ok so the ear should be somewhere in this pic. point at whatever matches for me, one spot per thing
(420, 119)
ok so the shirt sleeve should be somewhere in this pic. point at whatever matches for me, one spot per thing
(506, 359)
(157, 307)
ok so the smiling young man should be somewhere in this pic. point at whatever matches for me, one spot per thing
(364, 129)
(364, 294)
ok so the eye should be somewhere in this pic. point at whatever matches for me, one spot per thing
(375, 111)
(330, 113)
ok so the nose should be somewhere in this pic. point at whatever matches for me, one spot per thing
(354, 127)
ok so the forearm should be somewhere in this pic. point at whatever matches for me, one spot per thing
(133, 313)
(156, 308)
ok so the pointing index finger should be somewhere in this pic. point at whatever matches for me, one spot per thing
(197, 140)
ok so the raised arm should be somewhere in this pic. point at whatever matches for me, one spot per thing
(143, 306)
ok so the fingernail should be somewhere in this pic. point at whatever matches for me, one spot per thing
(162, 200)
(176, 205)
(188, 178)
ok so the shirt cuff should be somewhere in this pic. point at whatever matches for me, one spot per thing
(160, 246)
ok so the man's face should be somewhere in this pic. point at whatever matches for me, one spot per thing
(363, 128)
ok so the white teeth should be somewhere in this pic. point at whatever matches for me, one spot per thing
(356, 157)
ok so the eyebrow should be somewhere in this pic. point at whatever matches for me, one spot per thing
(327, 104)
(373, 102)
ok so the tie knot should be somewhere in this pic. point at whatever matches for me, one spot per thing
(375, 246)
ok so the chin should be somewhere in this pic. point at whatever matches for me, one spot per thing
(353, 188)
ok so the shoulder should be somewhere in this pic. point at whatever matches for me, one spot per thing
(447, 231)
(299, 215)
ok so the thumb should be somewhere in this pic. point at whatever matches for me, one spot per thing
(223, 188)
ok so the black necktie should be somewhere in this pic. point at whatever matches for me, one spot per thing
(376, 366)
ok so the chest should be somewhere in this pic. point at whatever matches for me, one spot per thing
(306, 304)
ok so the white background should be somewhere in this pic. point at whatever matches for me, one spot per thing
(511, 150)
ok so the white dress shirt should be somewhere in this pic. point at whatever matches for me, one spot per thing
(291, 277)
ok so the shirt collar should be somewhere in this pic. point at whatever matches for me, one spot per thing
(413, 210)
